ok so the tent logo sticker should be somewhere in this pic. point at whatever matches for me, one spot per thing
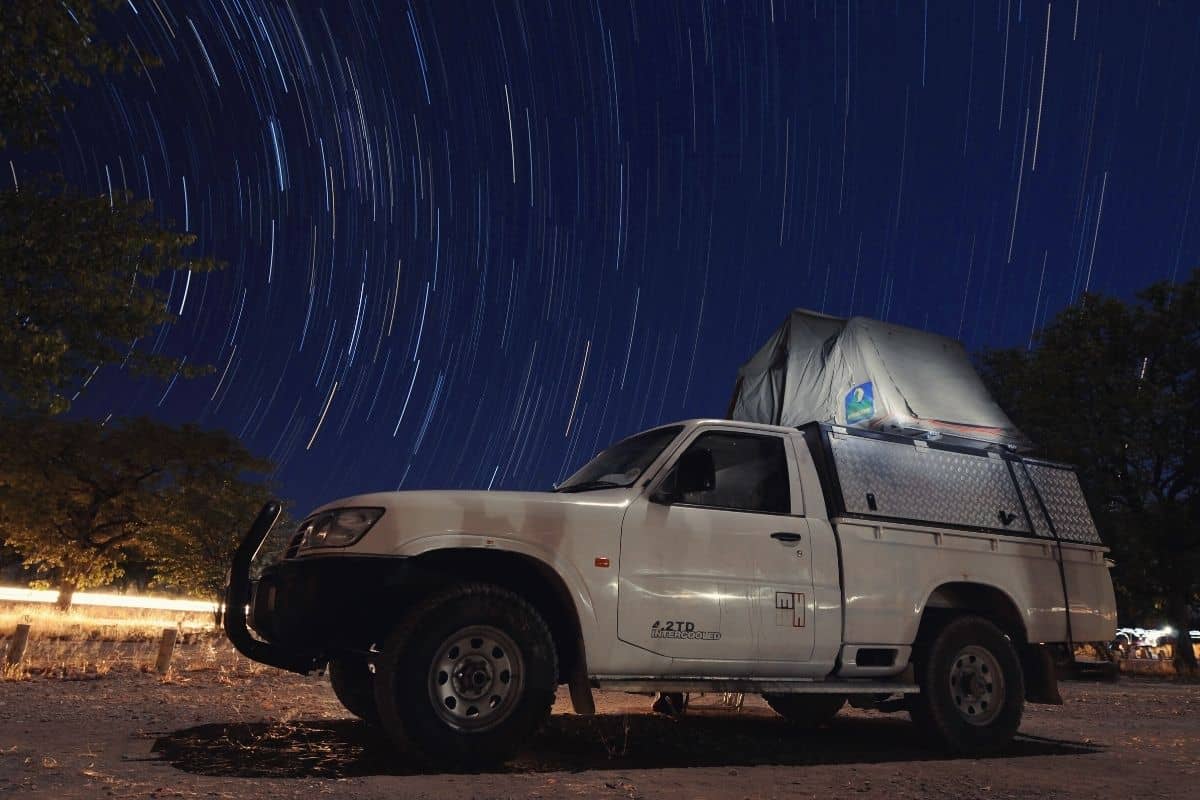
(860, 403)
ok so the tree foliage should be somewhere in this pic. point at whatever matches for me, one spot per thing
(76, 497)
(78, 278)
(77, 271)
(1113, 387)
(46, 49)
(77, 291)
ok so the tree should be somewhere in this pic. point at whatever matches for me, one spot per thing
(1113, 387)
(77, 496)
(47, 49)
(77, 291)
(78, 278)
(77, 272)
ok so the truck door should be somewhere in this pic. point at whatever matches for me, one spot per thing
(721, 574)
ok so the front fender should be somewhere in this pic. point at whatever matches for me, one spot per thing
(577, 588)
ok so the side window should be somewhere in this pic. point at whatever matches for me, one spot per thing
(751, 473)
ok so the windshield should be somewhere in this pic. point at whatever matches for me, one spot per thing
(621, 464)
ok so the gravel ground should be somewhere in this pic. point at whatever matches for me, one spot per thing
(243, 732)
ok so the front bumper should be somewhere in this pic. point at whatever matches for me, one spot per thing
(310, 609)
(333, 603)
(238, 599)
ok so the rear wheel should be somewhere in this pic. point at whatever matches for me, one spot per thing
(353, 684)
(972, 688)
(806, 710)
(468, 676)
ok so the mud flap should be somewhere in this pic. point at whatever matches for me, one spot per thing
(1041, 675)
(581, 688)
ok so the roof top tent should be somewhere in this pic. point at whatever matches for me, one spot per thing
(865, 373)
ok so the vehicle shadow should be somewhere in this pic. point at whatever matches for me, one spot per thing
(350, 748)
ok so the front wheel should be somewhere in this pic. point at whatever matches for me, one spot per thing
(972, 688)
(467, 676)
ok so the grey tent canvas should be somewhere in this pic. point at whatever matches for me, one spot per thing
(867, 373)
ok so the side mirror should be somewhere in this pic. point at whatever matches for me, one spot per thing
(694, 472)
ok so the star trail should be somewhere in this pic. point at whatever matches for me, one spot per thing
(471, 243)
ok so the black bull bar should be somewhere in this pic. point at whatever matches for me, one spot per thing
(238, 597)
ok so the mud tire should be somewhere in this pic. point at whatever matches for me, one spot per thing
(408, 670)
(941, 712)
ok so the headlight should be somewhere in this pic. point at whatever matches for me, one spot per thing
(339, 527)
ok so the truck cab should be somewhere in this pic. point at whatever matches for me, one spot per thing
(813, 565)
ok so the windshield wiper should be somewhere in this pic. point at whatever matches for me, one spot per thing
(587, 486)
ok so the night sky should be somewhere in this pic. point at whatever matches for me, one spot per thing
(469, 244)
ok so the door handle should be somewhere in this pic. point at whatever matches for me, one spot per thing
(786, 536)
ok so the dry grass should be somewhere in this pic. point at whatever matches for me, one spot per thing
(1141, 660)
(1153, 661)
(100, 623)
(86, 643)
(210, 656)
(1147, 667)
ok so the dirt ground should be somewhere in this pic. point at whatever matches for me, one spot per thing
(238, 731)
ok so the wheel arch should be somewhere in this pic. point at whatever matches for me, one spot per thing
(954, 598)
(986, 600)
(532, 578)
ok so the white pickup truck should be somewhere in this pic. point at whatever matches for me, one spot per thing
(813, 565)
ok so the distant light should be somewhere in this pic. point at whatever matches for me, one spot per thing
(21, 595)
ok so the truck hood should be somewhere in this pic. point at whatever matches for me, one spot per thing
(416, 521)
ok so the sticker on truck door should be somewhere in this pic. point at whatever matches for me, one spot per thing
(789, 610)
(680, 629)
